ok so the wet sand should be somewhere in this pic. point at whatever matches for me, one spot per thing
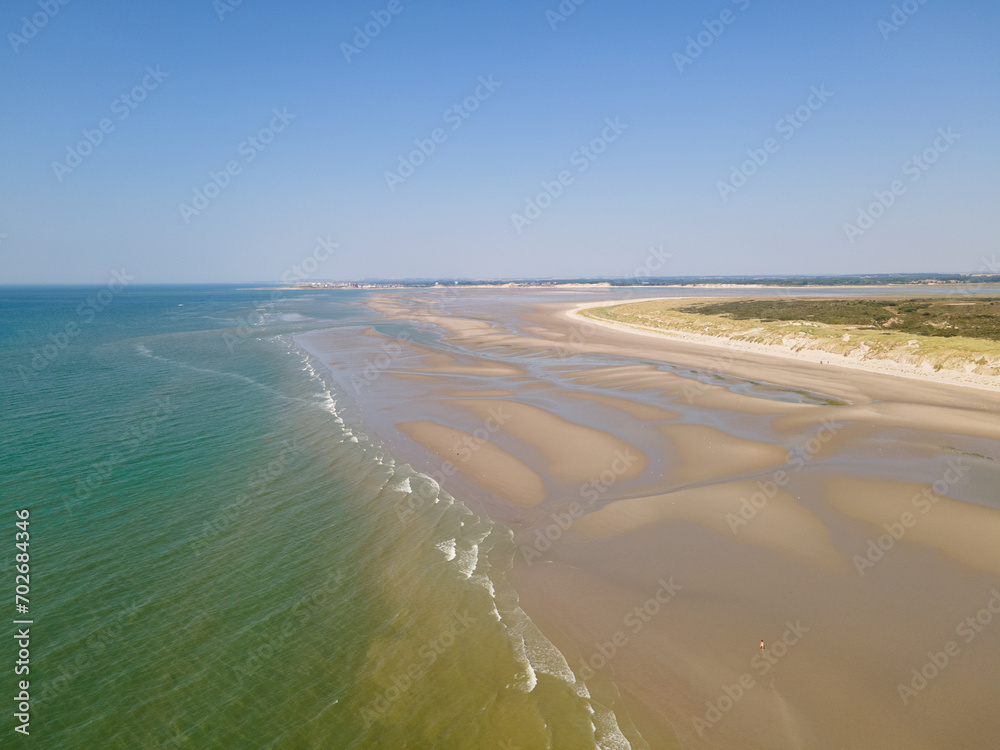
(675, 503)
(484, 463)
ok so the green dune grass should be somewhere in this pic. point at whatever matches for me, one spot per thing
(953, 333)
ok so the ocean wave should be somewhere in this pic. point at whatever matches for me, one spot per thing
(481, 550)
(403, 486)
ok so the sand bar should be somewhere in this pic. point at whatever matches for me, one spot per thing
(482, 462)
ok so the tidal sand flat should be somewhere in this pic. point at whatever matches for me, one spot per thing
(673, 504)
(488, 466)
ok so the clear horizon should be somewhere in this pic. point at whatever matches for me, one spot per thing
(985, 278)
(231, 142)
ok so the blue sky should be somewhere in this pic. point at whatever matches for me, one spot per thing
(220, 72)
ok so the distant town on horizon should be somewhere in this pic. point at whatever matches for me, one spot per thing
(772, 280)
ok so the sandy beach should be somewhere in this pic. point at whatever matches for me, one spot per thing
(675, 501)
(925, 373)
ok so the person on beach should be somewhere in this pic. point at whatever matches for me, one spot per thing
(762, 644)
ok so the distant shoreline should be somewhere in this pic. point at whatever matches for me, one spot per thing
(350, 285)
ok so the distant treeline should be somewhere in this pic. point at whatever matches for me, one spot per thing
(877, 279)
(973, 317)
(788, 281)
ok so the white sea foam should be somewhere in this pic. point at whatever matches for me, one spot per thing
(426, 486)
(483, 580)
(403, 486)
(527, 679)
(448, 547)
(467, 559)
(329, 403)
(611, 737)
(544, 656)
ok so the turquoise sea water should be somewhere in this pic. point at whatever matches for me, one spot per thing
(222, 558)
